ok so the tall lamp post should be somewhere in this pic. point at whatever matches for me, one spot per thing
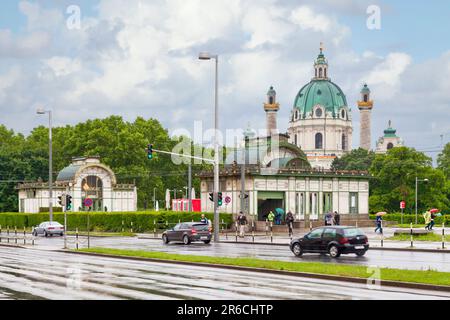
(417, 183)
(209, 56)
(50, 160)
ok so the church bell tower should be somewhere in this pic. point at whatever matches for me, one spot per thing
(365, 106)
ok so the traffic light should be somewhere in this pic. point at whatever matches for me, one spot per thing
(68, 202)
(219, 199)
(150, 151)
(62, 200)
(211, 196)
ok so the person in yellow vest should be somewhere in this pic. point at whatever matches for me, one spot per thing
(271, 216)
(427, 217)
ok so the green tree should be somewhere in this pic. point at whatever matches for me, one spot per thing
(357, 159)
(443, 160)
(394, 177)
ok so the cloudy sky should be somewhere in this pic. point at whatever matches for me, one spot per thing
(139, 58)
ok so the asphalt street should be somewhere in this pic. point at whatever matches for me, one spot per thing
(378, 258)
(45, 274)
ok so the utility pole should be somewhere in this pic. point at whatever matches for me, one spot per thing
(190, 186)
(243, 176)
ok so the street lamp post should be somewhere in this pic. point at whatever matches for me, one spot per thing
(50, 161)
(208, 56)
(417, 183)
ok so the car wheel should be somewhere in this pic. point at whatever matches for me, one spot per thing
(360, 253)
(334, 251)
(297, 249)
(165, 239)
(186, 239)
(34, 233)
(45, 234)
(207, 241)
(61, 234)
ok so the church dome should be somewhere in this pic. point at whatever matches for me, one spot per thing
(320, 92)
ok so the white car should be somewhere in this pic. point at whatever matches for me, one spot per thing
(49, 229)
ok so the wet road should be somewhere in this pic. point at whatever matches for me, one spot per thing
(44, 274)
(389, 259)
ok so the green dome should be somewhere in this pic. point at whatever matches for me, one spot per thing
(323, 92)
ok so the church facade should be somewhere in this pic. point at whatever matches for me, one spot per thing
(321, 120)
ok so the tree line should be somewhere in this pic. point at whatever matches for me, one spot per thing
(393, 178)
(120, 144)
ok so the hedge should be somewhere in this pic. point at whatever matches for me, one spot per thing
(109, 221)
(408, 218)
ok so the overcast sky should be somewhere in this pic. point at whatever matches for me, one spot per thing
(139, 58)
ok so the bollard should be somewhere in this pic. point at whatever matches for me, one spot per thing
(253, 231)
(222, 227)
(76, 237)
(123, 230)
(382, 234)
(356, 224)
(443, 235)
(310, 225)
(15, 234)
(131, 229)
(271, 231)
(267, 227)
(7, 233)
(24, 236)
(236, 227)
(411, 232)
(154, 228)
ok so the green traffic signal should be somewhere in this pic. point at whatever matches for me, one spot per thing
(68, 202)
(150, 152)
(219, 199)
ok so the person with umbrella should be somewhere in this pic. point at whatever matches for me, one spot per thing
(433, 214)
(379, 222)
(278, 215)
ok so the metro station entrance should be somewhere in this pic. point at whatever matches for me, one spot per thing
(269, 201)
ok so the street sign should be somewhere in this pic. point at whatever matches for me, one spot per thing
(227, 199)
(402, 204)
(88, 202)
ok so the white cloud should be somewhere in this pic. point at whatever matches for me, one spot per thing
(140, 58)
(307, 19)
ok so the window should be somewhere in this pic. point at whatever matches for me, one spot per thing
(327, 202)
(353, 202)
(319, 140)
(343, 114)
(390, 146)
(329, 233)
(270, 100)
(366, 98)
(344, 142)
(315, 234)
(318, 112)
(325, 72)
(295, 140)
(353, 232)
(320, 73)
(177, 227)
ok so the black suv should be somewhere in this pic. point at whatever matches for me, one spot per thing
(333, 240)
(188, 232)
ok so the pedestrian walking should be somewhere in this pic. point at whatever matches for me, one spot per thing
(204, 219)
(242, 221)
(271, 216)
(427, 218)
(290, 222)
(379, 222)
(337, 218)
(329, 219)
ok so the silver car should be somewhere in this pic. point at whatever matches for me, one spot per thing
(49, 229)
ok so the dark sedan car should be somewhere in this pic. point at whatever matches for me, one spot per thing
(335, 240)
(188, 232)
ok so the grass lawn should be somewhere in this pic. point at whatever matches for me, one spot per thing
(420, 237)
(102, 234)
(427, 276)
(407, 225)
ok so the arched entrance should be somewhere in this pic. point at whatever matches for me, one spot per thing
(92, 187)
